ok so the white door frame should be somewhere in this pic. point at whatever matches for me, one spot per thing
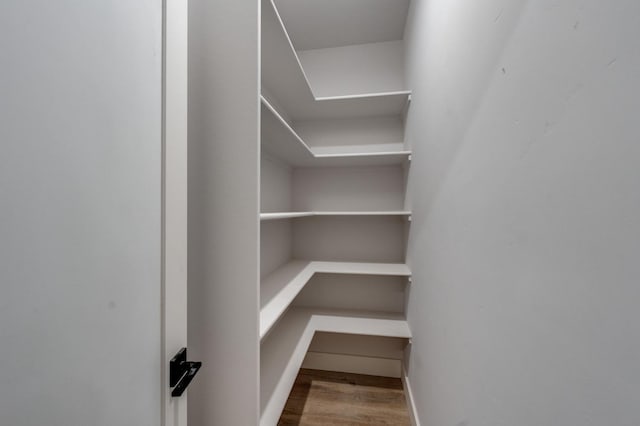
(174, 199)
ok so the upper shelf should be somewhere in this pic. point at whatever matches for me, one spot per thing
(281, 140)
(283, 76)
(354, 106)
(312, 25)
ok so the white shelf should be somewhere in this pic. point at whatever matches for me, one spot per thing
(281, 69)
(284, 215)
(281, 140)
(362, 268)
(290, 215)
(354, 106)
(383, 158)
(283, 75)
(279, 289)
(283, 353)
(365, 213)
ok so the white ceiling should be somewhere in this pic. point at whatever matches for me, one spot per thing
(315, 24)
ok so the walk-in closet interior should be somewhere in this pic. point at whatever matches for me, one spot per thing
(215, 211)
(441, 190)
(333, 218)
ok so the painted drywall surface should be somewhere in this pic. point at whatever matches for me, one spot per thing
(355, 69)
(224, 174)
(333, 188)
(353, 344)
(80, 191)
(336, 291)
(275, 245)
(352, 22)
(351, 353)
(525, 234)
(349, 238)
(275, 185)
(369, 134)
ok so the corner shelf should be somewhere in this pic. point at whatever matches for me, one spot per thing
(353, 106)
(281, 287)
(282, 73)
(283, 353)
(282, 141)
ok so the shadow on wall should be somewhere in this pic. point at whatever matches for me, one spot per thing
(452, 53)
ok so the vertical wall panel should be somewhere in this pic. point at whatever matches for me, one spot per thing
(224, 173)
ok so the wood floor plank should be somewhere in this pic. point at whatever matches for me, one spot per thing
(344, 399)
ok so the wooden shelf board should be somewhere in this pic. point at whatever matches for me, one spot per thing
(280, 288)
(283, 353)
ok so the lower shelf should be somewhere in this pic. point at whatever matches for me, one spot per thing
(282, 286)
(281, 355)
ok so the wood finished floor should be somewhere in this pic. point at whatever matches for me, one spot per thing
(331, 398)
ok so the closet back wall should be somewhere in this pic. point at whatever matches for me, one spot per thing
(350, 239)
(355, 69)
(348, 189)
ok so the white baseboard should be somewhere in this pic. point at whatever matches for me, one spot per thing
(413, 412)
(353, 364)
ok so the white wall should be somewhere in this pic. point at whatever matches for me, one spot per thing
(368, 134)
(348, 188)
(336, 291)
(80, 200)
(355, 69)
(352, 353)
(275, 245)
(525, 234)
(349, 238)
(224, 174)
(275, 185)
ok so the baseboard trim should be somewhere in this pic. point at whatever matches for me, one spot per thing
(353, 364)
(413, 412)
